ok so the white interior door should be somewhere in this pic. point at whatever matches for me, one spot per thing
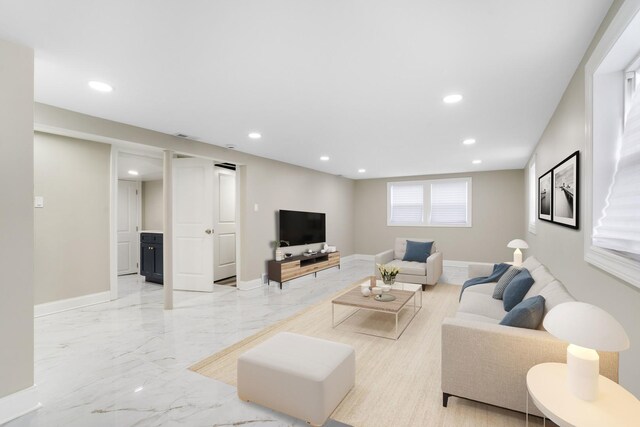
(224, 219)
(193, 224)
(128, 218)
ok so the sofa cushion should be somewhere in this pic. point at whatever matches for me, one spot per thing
(401, 246)
(531, 263)
(410, 267)
(481, 305)
(506, 278)
(517, 289)
(527, 314)
(555, 293)
(417, 251)
(542, 278)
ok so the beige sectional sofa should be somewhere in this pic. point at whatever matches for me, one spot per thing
(421, 273)
(488, 362)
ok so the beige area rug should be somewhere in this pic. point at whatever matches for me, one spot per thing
(397, 382)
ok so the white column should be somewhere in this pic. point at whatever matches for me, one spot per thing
(17, 391)
(167, 240)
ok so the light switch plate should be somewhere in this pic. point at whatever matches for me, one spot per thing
(38, 202)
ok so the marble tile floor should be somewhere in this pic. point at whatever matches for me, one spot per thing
(124, 363)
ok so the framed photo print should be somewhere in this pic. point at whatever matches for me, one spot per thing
(545, 196)
(565, 191)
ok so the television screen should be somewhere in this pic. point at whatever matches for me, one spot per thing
(302, 228)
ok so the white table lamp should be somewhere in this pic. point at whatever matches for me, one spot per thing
(517, 254)
(587, 328)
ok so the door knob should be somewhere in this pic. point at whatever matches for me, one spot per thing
(208, 231)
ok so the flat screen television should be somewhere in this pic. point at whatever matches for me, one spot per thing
(302, 228)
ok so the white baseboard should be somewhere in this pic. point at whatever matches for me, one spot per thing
(249, 284)
(447, 263)
(18, 404)
(453, 263)
(71, 303)
(363, 257)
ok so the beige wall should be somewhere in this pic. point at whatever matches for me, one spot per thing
(16, 218)
(271, 184)
(562, 249)
(152, 205)
(72, 230)
(497, 218)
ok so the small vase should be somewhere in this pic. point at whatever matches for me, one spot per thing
(389, 280)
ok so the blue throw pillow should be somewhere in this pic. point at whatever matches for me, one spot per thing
(517, 289)
(417, 251)
(528, 314)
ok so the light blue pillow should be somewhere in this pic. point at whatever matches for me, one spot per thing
(528, 314)
(517, 289)
(417, 251)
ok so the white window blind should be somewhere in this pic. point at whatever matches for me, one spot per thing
(407, 203)
(448, 203)
(619, 226)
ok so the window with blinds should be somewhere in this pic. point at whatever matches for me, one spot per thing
(619, 226)
(433, 203)
(407, 203)
(448, 203)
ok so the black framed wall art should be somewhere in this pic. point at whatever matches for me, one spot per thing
(566, 184)
(545, 195)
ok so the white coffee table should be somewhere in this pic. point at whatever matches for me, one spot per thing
(547, 386)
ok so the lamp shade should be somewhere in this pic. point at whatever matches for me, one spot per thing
(518, 244)
(587, 326)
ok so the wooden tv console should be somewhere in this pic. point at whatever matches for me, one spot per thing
(301, 265)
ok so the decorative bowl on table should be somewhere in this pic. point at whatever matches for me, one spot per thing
(385, 287)
(376, 290)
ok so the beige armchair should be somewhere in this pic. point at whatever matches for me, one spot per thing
(422, 273)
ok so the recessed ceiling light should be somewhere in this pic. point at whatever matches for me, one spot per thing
(100, 86)
(324, 158)
(255, 135)
(477, 162)
(362, 170)
(452, 99)
(132, 172)
(469, 141)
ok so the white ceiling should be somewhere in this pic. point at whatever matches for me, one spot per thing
(359, 81)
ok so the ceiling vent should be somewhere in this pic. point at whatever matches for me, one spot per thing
(185, 136)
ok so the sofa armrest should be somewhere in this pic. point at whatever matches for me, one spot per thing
(489, 362)
(480, 270)
(434, 268)
(382, 258)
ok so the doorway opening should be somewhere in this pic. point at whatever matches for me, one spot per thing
(139, 212)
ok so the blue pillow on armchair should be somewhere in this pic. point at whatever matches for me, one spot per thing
(517, 289)
(417, 251)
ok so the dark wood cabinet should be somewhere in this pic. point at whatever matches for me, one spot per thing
(151, 257)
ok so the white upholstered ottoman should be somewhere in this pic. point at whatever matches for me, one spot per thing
(300, 376)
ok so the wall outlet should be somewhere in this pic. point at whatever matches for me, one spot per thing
(265, 278)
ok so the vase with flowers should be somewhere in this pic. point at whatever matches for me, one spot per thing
(388, 273)
(279, 253)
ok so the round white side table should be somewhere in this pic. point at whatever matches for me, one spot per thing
(547, 386)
